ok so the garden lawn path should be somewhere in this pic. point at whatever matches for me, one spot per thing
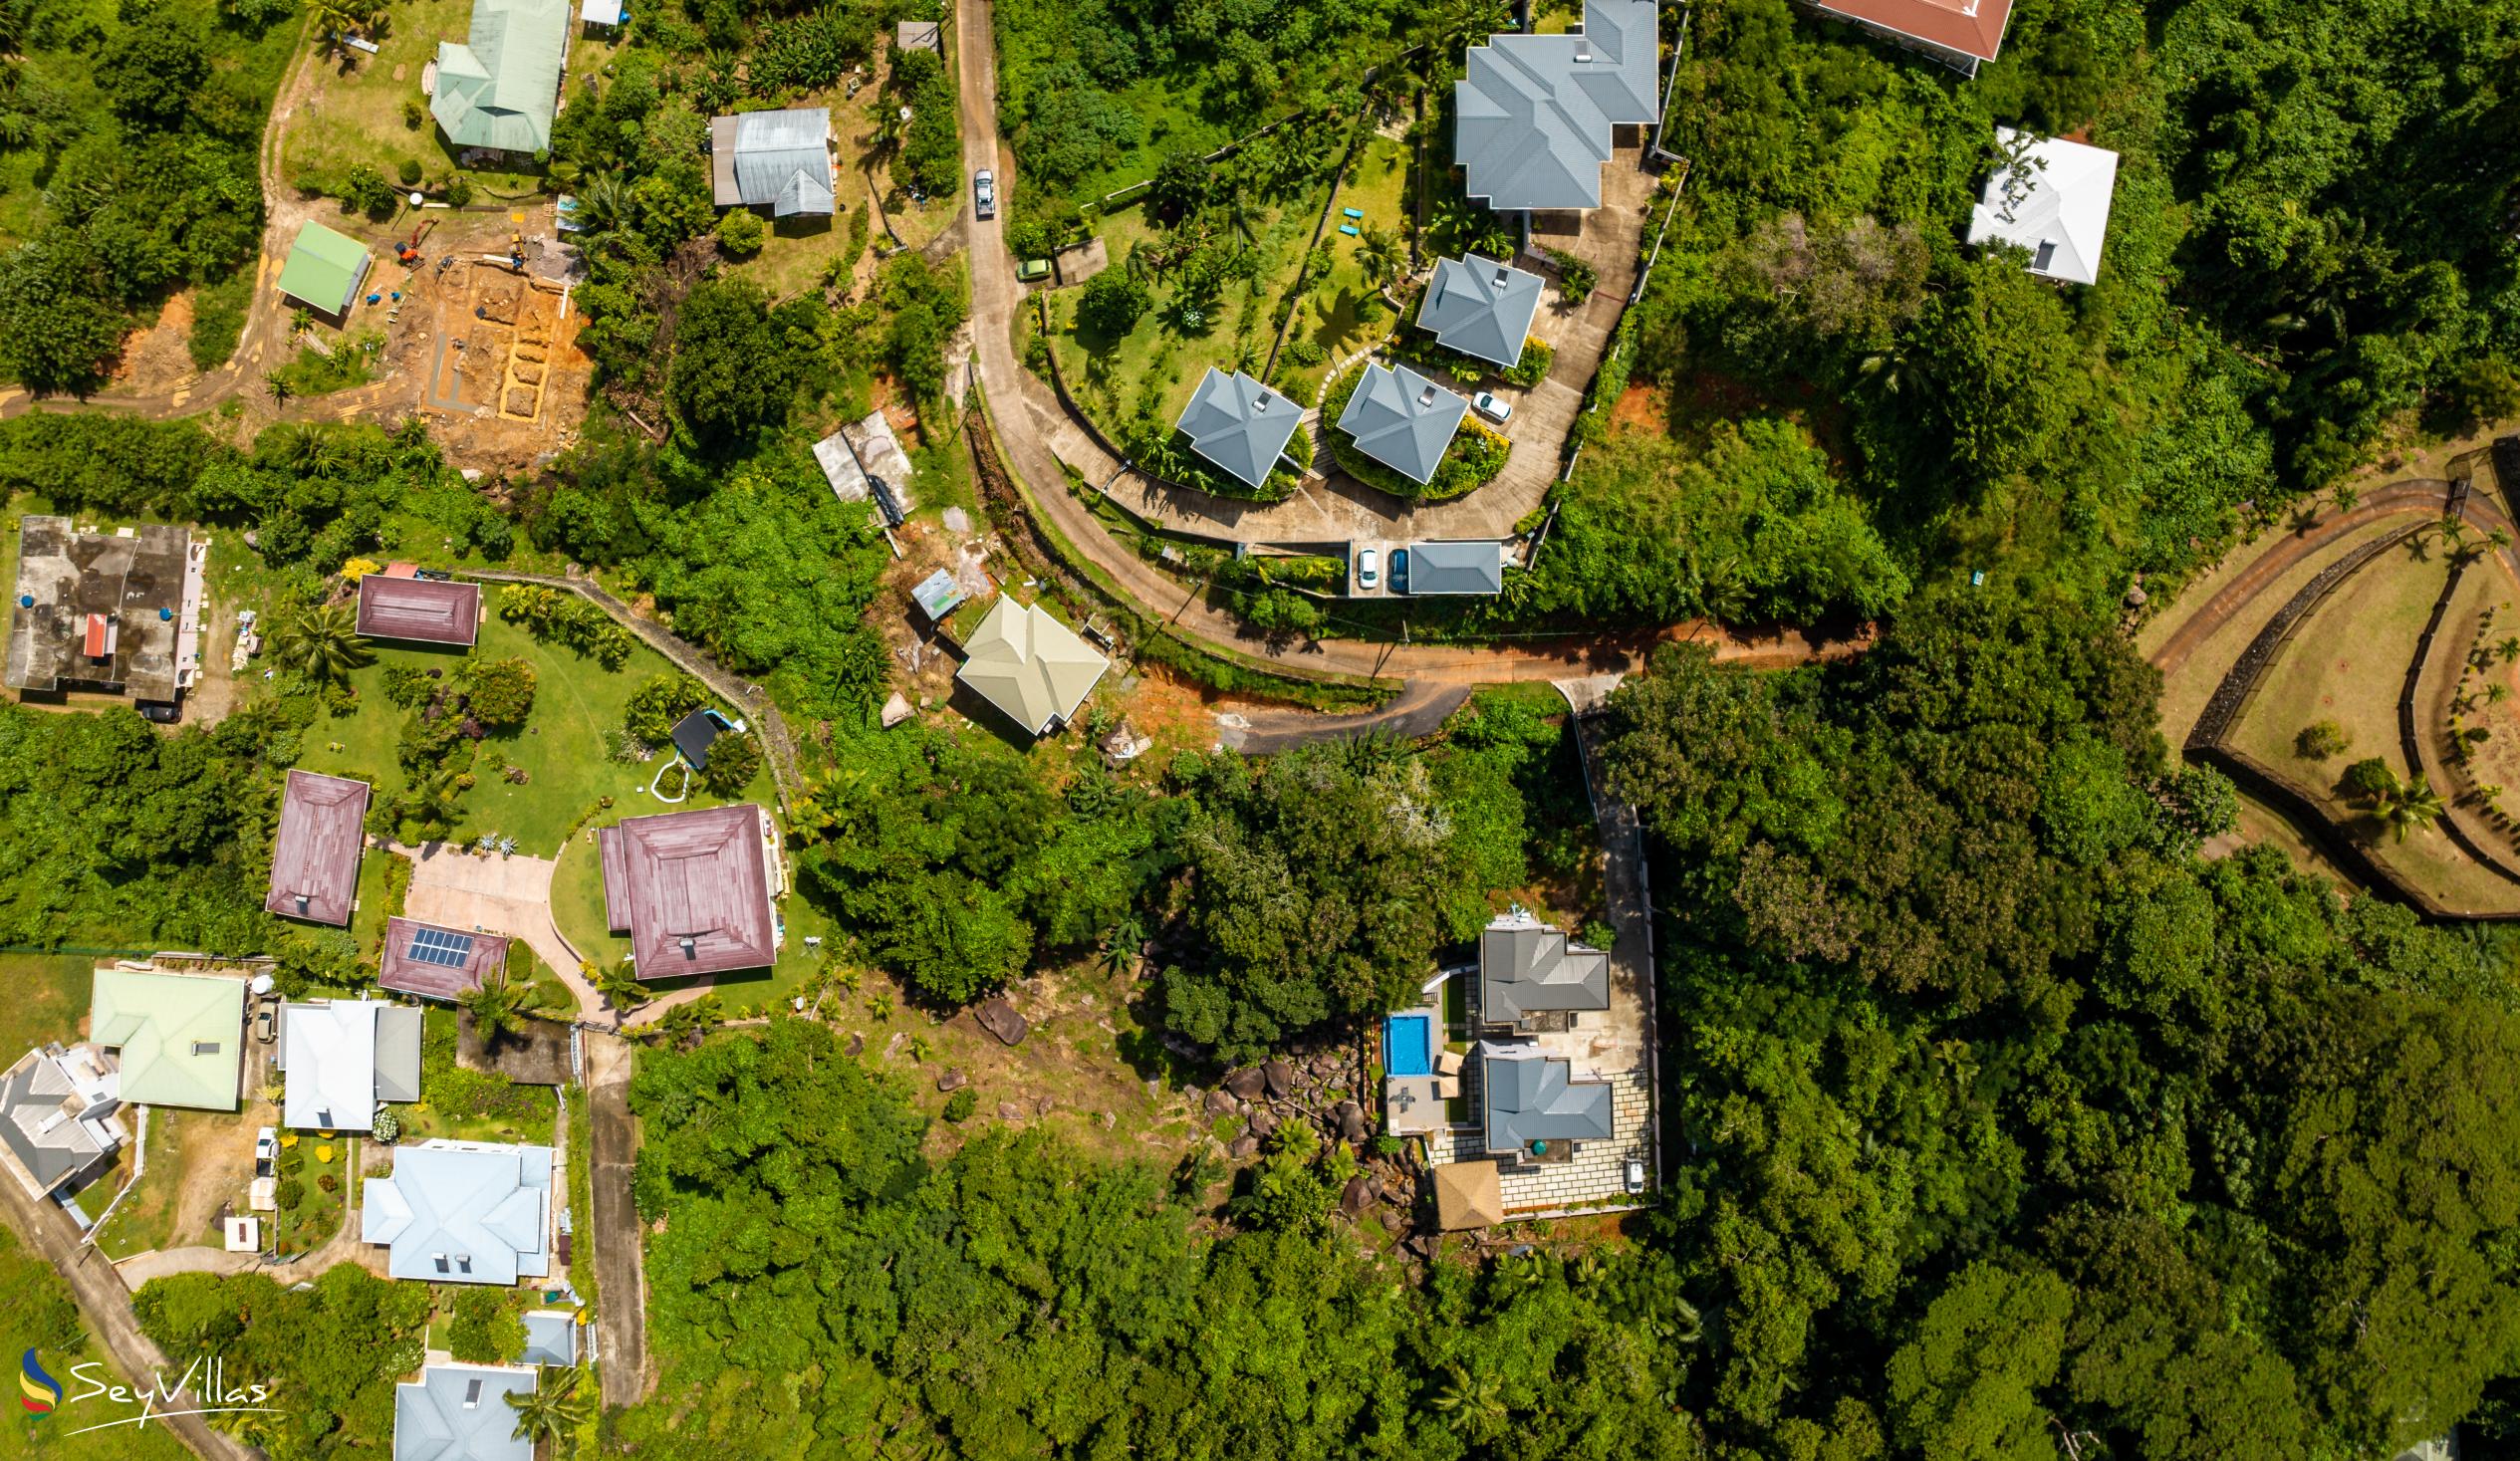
(510, 895)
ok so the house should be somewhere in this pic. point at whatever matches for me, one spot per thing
(1472, 565)
(550, 1338)
(438, 963)
(1030, 666)
(693, 734)
(1239, 425)
(342, 1057)
(179, 1039)
(1528, 969)
(118, 612)
(1536, 115)
(780, 160)
(324, 270)
(918, 35)
(1535, 1103)
(692, 889)
(58, 1119)
(499, 88)
(1958, 33)
(1481, 308)
(315, 856)
(2049, 199)
(1403, 420)
(460, 1412)
(421, 611)
(462, 1212)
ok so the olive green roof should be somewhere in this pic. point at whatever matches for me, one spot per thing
(324, 267)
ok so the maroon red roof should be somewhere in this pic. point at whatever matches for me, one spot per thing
(694, 890)
(315, 856)
(438, 962)
(431, 610)
(1970, 27)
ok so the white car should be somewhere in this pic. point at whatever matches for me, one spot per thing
(984, 193)
(1369, 569)
(266, 1145)
(1487, 405)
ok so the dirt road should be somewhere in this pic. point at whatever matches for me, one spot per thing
(621, 1313)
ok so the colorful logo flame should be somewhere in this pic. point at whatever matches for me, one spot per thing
(39, 1392)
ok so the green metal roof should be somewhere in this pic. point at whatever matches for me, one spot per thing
(324, 267)
(181, 1035)
(500, 88)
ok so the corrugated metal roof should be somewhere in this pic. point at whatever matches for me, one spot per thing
(781, 159)
(1030, 665)
(1482, 306)
(324, 267)
(1476, 567)
(500, 88)
(1534, 112)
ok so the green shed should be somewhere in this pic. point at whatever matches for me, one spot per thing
(324, 269)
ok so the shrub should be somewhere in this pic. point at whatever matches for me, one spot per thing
(328, 1181)
(482, 1329)
(289, 1194)
(407, 686)
(388, 1128)
(741, 233)
(365, 190)
(655, 706)
(499, 692)
(2320, 740)
(960, 1105)
(1110, 303)
(409, 171)
(1534, 366)
(459, 190)
(733, 762)
(414, 114)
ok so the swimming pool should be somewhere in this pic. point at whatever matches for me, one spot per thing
(1408, 1044)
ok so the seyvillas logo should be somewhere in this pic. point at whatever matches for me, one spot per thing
(37, 1391)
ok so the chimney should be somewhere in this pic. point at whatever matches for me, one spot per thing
(302, 904)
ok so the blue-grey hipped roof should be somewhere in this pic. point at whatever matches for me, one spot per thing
(1403, 420)
(1474, 567)
(550, 1338)
(1535, 113)
(462, 1212)
(1534, 1098)
(459, 1412)
(1526, 966)
(1239, 425)
(1482, 306)
(781, 158)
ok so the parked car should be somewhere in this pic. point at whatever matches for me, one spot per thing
(266, 1145)
(1487, 405)
(984, 193)
(1399, 569)
(1368, 565)
(266, 1022)
(1636, 1176)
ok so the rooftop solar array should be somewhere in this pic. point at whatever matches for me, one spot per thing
(442, 947)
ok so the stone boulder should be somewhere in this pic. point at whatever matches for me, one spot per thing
(952, 1080)
(1008, 1111)
(1242, 1147)
(1218, 1103)
(1352, 1122)
(1356, 1197)
(1264, 1123)
(998, 1018)
(856, 1045)
(1247, 1083)
(1280, 1079)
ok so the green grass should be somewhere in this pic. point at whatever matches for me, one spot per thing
(1375, 185)
(38, 1313)
(48, 998)
(145, 1218)
(357, 117)
(313, 372)
(470, 1106)
(319, 1215)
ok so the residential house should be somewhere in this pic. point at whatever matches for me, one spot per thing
(178, 1039)
(1030, 666)
(779, 160)
(1403, 420)
(1536, 1103)
(1239, 425)
(1482, 307)
(694, 889)
(1535, 116)
(1470, 566)
(324, 270)
(460, 1412)
(499, 88)
(1532, 976)
(462, 1212)
(315, 856)
(434, 962)
(405, 606)
(2049, 199)
(550, 1338)
(342, 1057)
(118, 612)
(1961, 34)
(59, 1117)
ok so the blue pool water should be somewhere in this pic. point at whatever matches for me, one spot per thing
(1408, 1044)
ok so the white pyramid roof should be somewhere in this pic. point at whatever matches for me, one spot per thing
(2057, 208)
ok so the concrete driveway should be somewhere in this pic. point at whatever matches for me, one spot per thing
(510, 895)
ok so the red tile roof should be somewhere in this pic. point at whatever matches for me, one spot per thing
(431, 610)
(697, 889)
(430, 977)
(315, 856)
(1970, 27)
(99, 638)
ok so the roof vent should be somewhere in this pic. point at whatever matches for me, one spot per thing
(1582, 50)
(440, 1260)
(205, 1047)
(1426, 399)
(302, 903)
(690, 947)
(2045, 256)
(1260, 402)
(1503, 274)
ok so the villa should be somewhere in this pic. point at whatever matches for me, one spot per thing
(1030, 666)
(342, 1057)
(2050, 200)
(459, 1412)
(1537, 115)
(1482, 307)
(1240, 426)
(462, 1212)
(694, 889)
(117, 613)
(399, 605)
(179, 1039)
(314, 855)
(779, 160)
(499, 88)
(57, 1117)
(1403, 420)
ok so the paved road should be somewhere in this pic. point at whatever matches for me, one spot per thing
(106, 1306)
(620, 1310)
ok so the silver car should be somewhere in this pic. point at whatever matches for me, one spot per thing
(1369, 569)
(984, 193)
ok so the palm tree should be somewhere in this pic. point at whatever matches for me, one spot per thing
(2406, 806)
(321, 644)
(550, 1411)
(497, 1006)
(1119, 950)
(431, 800)
(335, 20)
(279, 387)
(1479, 1399)
(619, 983)
(2509, 650)
(1381, 255)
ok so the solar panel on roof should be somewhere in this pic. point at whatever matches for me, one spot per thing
(441, 947)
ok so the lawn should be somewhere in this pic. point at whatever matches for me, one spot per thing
(356, 115)
(145, 1218)
(39, 1316)
(48, 1000)
(561, 748)
(1326, 319)
(470, 1106)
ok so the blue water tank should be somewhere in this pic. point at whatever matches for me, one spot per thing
(26, 600)
(165, 614)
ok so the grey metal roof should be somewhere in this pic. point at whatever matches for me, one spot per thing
(1403, 420)
(462, 1212)
(1482, 306)
(1535, 113)
(1475, 567)
(550, 1338)
(781, 158)
(459, 1412)
(1239, 425)
(1534, 1098)
(52, 1129)
(397, 1052)
(1525, 966)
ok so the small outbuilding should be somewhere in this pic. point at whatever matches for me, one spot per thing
(421, 611)
(315, 856)
(550, 1338)
(693, 734)
(1472, 565)
(2049, 199)
(1468, 1194)
(324, 270)
(1030, 666)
